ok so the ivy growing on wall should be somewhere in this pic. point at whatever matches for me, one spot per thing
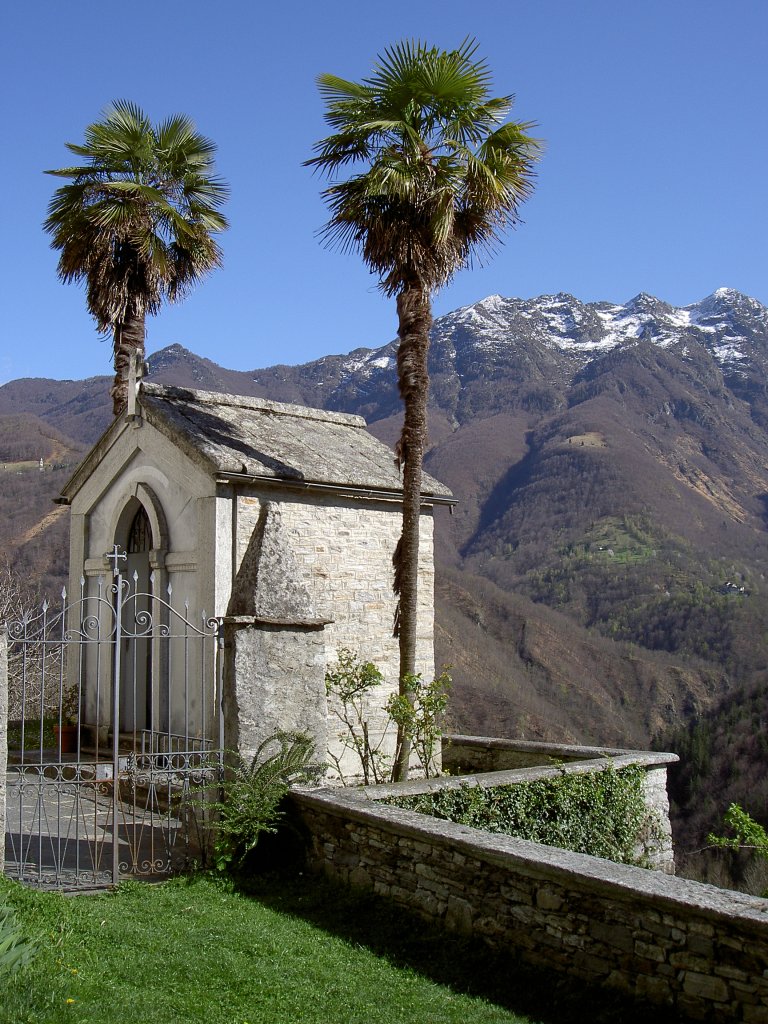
(600, 813)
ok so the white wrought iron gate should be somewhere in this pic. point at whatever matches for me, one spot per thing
(115, 736)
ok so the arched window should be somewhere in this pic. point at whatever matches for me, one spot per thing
(140, 533)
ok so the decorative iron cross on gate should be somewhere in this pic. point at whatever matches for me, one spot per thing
(114, 556)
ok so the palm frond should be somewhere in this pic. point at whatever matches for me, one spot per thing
(442, 169)
(72, 172)
(135, 218)
(334, 89)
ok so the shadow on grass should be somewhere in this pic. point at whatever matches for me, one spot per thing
(464, 965)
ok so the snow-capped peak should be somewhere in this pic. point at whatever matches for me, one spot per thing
(562, 322)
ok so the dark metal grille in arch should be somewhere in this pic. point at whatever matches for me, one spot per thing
(140, 533)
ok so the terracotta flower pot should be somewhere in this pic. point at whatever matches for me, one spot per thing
(66, 738)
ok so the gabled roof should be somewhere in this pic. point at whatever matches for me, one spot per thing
(235, 435)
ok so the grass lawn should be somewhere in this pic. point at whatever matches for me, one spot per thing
(196, 950)
(289, 950)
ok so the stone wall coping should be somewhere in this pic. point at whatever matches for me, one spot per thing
(260, 620)
(548, 863)
(553, 750)
(511, 776)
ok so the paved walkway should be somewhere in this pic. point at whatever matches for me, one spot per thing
(60, 827)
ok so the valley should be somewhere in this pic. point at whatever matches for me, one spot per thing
(603, 578)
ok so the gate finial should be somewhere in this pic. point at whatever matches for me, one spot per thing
(114, 556)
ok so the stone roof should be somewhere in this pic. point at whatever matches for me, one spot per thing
(235, 434)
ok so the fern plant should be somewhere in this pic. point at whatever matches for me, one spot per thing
(253, 791)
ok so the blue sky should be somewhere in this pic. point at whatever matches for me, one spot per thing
(653, 179)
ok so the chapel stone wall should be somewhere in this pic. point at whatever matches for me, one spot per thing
(342, 554)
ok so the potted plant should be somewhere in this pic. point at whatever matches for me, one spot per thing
(66, 729)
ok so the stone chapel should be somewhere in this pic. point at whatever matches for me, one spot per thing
(279, 520)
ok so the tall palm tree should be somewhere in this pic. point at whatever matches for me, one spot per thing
(443, 174)
(135, 222)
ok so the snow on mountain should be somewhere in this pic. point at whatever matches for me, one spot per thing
(727, 323)
(539, 345)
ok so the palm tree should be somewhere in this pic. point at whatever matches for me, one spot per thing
(135, 223)
(443, 175)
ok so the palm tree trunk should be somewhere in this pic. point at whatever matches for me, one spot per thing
(414, 321)
(129, 338)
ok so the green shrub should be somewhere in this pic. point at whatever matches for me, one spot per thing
(748, 837)
(600, 813)
(349, 684)
(252, 792)
(15, 950)
(747, 833)
(418, 714)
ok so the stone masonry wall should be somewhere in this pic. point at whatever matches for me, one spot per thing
(343, 552)
(345, 548)
(654, 847)
(698, 951)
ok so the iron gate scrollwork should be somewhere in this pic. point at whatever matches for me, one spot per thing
(115, 735)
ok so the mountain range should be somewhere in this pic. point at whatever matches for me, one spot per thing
(603, 579)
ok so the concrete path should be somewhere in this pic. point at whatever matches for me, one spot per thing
(60, 828)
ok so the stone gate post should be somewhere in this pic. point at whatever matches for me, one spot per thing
(274, 680)
(274, 646)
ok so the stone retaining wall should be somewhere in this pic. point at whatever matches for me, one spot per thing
(654, 847)
(700, 951)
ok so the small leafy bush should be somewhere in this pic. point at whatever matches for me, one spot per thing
(418, 713)
(349, 684)
(599, 813)
(748, 835)
(253, 791)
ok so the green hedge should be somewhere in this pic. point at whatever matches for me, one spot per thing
(601, 813)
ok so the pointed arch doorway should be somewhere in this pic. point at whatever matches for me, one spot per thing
(136, 696)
